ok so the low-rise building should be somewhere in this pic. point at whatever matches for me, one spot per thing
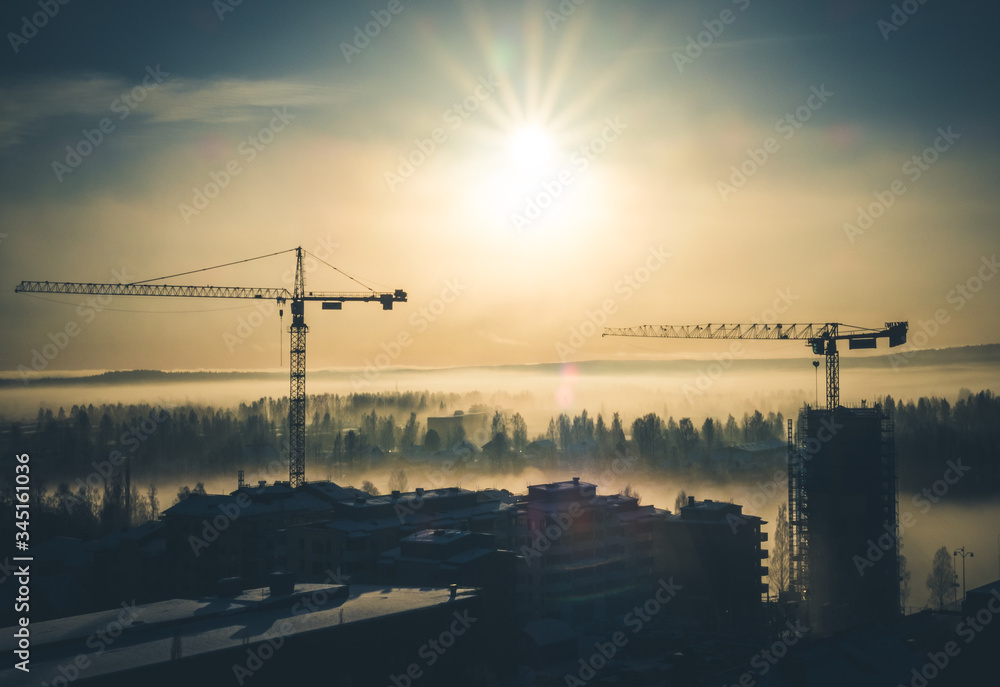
(360, 529)
(715, 552)
(210, 536)
(586, 557)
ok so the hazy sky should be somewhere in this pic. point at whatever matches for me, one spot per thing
(519, 169)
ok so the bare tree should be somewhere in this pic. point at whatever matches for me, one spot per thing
(904, 579)
(778, 563)
(941, 580)
(154, 503)
(630, 492)
(681, 500)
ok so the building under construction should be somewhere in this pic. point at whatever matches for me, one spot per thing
(841, 500)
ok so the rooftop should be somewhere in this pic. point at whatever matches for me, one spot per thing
(151, 633)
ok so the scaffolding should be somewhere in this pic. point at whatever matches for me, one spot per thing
(841, 498)
(890, 481)
(798, 516)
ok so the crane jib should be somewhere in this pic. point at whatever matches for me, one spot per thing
(277, 294)
(822, 338)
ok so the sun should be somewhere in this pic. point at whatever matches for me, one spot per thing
(531, 147)
(520, 152)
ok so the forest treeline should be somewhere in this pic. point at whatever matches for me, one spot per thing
(84, 457)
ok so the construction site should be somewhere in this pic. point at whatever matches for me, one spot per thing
(594, 562)
(842, 484)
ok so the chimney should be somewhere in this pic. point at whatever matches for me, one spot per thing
(454, 591)
(420, 491)
(262, 483)
(576, 480)
(395, 493)
(690, 500)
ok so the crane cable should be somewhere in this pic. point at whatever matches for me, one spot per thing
(205, 269)
(259, 257)
(354, 279)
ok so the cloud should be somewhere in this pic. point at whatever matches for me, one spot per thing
(233, 100)
(28, 108)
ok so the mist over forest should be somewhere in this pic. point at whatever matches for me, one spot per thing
(378, 440)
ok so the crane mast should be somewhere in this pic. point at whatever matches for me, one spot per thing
(297, 330)
(822, 338)
(297, 381)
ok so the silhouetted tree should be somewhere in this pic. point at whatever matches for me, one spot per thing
(369, 488)
(617, 434)
(387, 433)
(582, 429)
(630, 492)
(647, 436)
(369, 428)
(185, 491)
(731, 433)
(602, 436)
(410, 431)
(154, 502)
(778, 568)
(432, 442)
(708, 435)
(518, 432)
(352, 445)
(941, 579)
(565, 429)
(687, 438)
(680, 501)
(499, 445)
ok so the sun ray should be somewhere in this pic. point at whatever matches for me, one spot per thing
(552, 99)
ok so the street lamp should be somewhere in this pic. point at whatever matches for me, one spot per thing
(963, 553)
(816, 367)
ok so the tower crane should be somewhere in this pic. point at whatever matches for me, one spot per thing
(298, 329)
(822, 338)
